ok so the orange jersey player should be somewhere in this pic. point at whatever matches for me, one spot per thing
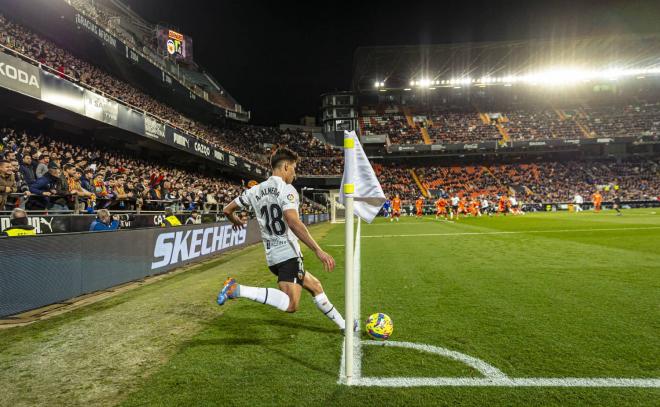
(502, 205)
(597, 200)
(441, 208)
(461, 206)
(396, 208)
(474, 207)
(419, 205)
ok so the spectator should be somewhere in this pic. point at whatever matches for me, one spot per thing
(103, 222)
(7, 182)
(42, 165)
(19, 225)
(27, 170)
(194, 219)
(47, 187)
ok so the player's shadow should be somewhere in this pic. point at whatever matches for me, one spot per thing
(290, 324)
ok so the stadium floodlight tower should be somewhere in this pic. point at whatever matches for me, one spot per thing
(338, 113)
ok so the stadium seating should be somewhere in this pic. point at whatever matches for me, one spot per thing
(250, 142)
(124, 178)
(531, 123)
(548, 181)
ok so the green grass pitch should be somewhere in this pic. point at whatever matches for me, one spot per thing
(558, 295)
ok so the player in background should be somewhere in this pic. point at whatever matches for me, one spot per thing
(578, 201)
(461, 208)
(597, 199)
(474, 208)
(441, 208)
(485, 206)
(419, 206)
(386, 208)
(617, 204)
(454, 206)
(513, 203)
(275, 203)
(396, 208)
(502, 205)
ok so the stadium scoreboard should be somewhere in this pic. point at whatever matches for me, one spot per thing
(174, 44)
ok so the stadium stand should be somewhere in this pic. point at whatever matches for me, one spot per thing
(518, 124)
(547, 182)
(108, 179)
(250, 142)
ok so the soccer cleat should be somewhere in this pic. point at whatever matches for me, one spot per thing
(229, 291)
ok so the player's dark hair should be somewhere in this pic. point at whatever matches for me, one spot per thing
(282, 154)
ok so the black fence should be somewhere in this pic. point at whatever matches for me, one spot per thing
(38, 271)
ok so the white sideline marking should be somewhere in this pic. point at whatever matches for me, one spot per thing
(514, 232)
(493, 376)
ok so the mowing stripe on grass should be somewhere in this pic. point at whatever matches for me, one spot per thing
(514, 232)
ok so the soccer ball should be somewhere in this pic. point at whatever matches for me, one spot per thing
(379, 326)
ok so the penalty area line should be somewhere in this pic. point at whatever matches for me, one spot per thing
(514, 232)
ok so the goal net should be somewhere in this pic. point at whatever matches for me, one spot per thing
(337, 210)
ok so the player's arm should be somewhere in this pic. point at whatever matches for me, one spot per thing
(300, 230)
(230, 213)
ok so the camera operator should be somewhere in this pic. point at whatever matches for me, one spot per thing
(104, 222)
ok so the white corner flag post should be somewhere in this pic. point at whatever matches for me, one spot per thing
(363, 196)
(348, 189)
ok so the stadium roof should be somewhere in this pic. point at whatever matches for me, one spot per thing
(398, 66)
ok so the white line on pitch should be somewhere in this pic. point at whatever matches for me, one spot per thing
(494, 376)
(508, 382)
(515, 232)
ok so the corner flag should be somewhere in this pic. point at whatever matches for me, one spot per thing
(362, 195)
(359, 180)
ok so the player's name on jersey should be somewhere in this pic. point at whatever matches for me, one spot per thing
(267, 191)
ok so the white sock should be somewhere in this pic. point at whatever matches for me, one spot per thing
(270, 296)
(326, 307)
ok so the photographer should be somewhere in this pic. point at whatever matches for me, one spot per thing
(104, 222)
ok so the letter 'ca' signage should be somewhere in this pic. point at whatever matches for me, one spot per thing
(180, 246)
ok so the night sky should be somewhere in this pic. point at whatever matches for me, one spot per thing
(277, 57)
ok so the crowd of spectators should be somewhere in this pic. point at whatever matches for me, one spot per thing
(57, 175)
(395, 179)
(394, 126)
(548, 181)
(250, 142)
(520, 124)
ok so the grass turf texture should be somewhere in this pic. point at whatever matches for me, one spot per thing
(533, 304)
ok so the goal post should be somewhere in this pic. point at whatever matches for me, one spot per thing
(337, 210)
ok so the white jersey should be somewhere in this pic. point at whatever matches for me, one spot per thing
(579, 200)
(269, 200)
(513, 201)
(484, 204)
(454, 201)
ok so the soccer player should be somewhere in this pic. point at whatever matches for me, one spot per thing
(275, 202)
(441, 208)
(454, 206)
(502, 205)
(419, 205)
(578, 201)
(396, 208)
(617, 204)
(597, 201)
(485, 206)
(386, 208)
